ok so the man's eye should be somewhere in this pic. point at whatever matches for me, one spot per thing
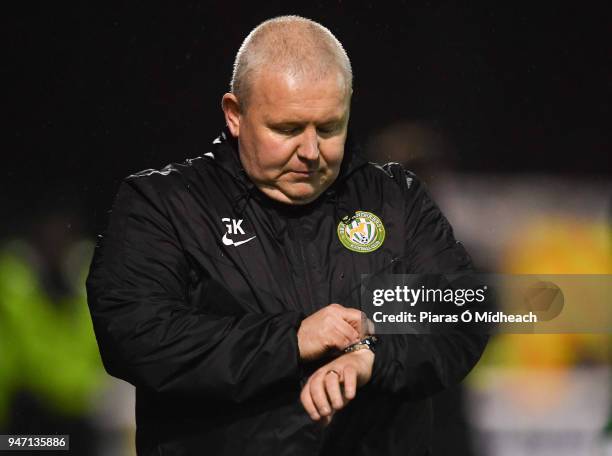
(328, 130)
(288, 130)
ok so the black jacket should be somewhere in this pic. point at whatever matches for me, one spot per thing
(207, 331)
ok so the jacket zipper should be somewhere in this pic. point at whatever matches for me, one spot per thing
(307, 277)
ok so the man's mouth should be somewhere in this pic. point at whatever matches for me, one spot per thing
(304, 173)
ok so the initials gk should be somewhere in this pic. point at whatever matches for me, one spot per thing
(234, 227)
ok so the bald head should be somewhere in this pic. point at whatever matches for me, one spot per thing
(290, 45)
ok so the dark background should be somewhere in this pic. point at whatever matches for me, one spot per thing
(96, 92)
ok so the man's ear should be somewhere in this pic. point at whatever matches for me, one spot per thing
(231, 109)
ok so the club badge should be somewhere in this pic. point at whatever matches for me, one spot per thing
(364, 232)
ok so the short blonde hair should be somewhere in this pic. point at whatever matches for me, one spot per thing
(293, 44)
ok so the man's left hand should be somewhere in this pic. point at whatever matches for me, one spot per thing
(335, 384)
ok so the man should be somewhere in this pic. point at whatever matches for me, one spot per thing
(226, 288)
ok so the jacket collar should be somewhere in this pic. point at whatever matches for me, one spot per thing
(226, 152)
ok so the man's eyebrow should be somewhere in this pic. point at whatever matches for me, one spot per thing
(296, 123)
(287, 123)
(333, 121)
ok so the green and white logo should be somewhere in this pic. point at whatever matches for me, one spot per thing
(363, 232)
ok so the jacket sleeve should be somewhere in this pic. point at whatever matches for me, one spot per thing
(150, 336)
(420, 365)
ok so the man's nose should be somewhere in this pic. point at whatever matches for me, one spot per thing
(309, 145)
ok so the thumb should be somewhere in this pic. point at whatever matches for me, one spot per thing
(366, 326)
(370, 328)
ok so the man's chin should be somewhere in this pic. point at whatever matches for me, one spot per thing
(303, 193)
(297, 194)
(302, 198)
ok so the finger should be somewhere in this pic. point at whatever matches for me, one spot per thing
(356, 318)
(308, 404)
(346, 334)
(332, 386)
(326, 420)
(350, 382)
(318, 394)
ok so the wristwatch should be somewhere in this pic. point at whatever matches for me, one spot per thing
(368, 343)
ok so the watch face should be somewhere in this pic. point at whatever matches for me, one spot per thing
(367, 343)
(371, 342)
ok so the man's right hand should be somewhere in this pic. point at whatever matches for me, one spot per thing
(332, 327)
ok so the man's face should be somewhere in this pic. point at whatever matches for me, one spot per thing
(292, 134)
